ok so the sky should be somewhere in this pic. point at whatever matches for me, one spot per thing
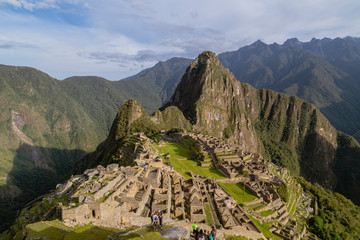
(115, 39)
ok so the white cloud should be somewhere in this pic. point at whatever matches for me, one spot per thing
(30, 5)
(115, 38)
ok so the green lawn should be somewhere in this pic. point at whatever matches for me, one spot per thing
(257, 206)
(42, 230)
(208, 214)
(264, 228)
(90, 232)
(237, 191)
(145, 233)
(56, 230)
(150, 236)
(267, 213)
(177, 152)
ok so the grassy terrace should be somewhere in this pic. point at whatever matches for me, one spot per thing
(264, 228)
(56, 230)
(237, 191)
(257, 206)
(267, 213)
(208, 214)
(177, 152)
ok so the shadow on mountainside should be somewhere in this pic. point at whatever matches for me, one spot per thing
(35, 171)
(342, 175)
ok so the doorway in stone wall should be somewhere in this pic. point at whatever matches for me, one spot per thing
(93, 213)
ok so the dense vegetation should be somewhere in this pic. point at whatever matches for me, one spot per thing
(61, 120)
(102, 98)
(42, 132)
(336, 216)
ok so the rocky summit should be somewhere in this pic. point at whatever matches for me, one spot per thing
(219, 154)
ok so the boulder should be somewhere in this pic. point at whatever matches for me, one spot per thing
(100, 168)
(112, 167)
(91, 172)
(89, 199)
(81, 198)
(175, 233)
(59, 187)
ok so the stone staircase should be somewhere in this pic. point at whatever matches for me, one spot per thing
(139, 195)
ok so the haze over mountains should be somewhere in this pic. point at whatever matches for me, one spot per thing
(47, 124)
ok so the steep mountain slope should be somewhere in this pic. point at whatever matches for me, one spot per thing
(42, 132)
(46, 124)
(323, 72)
(286, 129)
(129, 119)
(97, 96)
(101, 98)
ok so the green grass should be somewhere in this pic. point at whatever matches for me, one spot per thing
(236, 238)
(56, 223)
(150, 236)
(257, 206)
(90, 232)
(56, 230)
(208, 214)
(42, 230)
(225, 154)
(176, 152)
(267, 213)
(264, 228)
(237, 191)
(144, 233)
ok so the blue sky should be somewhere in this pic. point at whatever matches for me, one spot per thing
(118, 38)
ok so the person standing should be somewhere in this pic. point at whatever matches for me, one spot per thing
(151, 216)
(213, 232)
(194, 227)
(160, 215)
(155, 220)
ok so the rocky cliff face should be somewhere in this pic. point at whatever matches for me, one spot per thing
(286, 129)
(130, 118)
(212, 99)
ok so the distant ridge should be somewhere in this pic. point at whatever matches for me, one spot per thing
(323, 72)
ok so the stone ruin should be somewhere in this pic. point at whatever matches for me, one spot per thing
(124, 196)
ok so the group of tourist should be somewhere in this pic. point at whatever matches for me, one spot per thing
(200, 234)
(156, 219)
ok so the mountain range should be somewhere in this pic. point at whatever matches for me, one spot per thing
(210, 104)
(323, 72)
(286, 129)
(47, 124)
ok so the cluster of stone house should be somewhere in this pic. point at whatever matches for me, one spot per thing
(252, 170)
(123, 196)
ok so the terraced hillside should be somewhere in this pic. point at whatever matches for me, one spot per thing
(176, 154)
